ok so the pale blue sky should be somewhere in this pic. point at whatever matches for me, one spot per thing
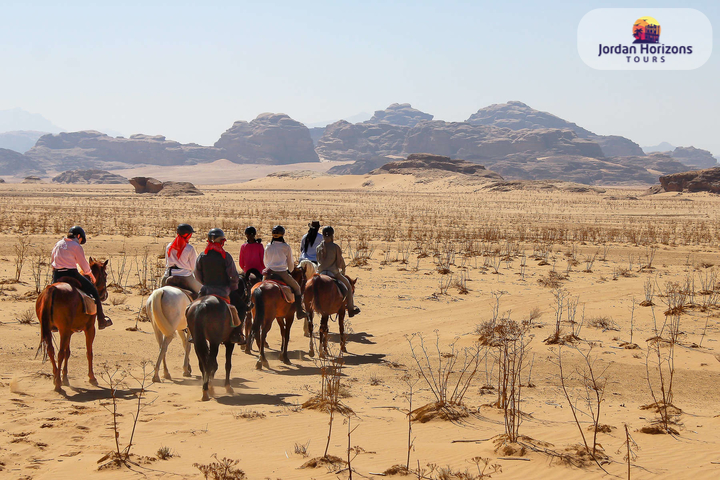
(187, 70)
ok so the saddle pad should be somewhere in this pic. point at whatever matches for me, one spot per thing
(89, 305)
(286, 291)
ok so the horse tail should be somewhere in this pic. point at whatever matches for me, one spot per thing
(259, 318)
(157, 314)
(46, 317)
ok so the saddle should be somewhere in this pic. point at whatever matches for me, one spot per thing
(286, 291)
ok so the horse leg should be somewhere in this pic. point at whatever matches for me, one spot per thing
(324, 330)
(161, 358)
(187, 370)
(89, 338)
(229, 346)
(341, 324)
(310, 332)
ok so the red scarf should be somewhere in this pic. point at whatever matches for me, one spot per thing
(217, 246)
(179, 244)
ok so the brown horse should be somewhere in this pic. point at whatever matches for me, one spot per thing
(61, 306)
(322, 296)
(269, 304)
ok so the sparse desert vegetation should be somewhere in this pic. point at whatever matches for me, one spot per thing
(539, 324)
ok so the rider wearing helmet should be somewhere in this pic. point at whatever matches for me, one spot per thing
(66, 256)
(215, 268)
(310, 241)
(251, 253)
(180, 259)
(332, 264)
(278, 260)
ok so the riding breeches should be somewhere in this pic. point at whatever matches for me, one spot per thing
(289, 281)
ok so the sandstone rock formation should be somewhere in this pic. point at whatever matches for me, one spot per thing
(272, 138)
(401, 114)
(99, 177)
(707, 180)
(424, 163)
(695, 157)
(155, 186)
(517, 115)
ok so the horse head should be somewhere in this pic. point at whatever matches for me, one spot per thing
(98, 270)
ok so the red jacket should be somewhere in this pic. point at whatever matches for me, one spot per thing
(251, 256)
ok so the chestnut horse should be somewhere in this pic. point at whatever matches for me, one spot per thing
(269, 304)
(322, 296)
(61, 306)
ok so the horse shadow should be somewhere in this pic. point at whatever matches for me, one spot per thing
(248, 399)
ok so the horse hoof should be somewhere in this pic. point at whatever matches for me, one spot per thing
(205, 396)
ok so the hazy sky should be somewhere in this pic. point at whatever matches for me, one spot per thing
(187, 71)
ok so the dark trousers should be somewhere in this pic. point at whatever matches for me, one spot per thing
(85, 285)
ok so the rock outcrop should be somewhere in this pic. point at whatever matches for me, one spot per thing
(517, 115)
(272, 138)
(96, 177)
(694, 157)
(154, 186)
(401, 114)
(707, 180)
(424, 163)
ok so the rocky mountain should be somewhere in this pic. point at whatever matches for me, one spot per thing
(517, 115)
(694, 157)
(20, 141)
(421, 164)
(272, 138)
(707, 180)
(96, 177)
(401, 114)
(661, 147)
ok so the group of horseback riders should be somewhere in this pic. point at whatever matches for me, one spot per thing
(213, 272)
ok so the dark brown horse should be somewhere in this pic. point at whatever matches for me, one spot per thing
(61, 306)
(322, 296)
(210, 321)
(269, 304)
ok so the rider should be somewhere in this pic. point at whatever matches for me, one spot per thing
(66, 256)
(251, 253)
(309, 243)
(332, 264)
(180, 259)
(279, 261)
(215, 270)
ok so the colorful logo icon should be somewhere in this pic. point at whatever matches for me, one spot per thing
(646, 30)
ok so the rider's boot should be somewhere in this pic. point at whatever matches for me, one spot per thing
(103, 321)
(299, 310)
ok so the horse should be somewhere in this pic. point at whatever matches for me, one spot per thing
(166, 310)
(310, 269)
(210, 321)
(61, 306)
(322, 296)
(268, 304)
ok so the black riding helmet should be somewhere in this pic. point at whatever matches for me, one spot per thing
(250, 231)
(215, 235)
(184, 229)
(278, 231)
(77, 232)
(328, 231)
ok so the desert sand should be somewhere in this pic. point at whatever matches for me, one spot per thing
(431, 257)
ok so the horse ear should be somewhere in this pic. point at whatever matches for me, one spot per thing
(106, 262)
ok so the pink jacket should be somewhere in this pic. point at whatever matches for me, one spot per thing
(68, 253)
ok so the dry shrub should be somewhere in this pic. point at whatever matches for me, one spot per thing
(441, 411)
(327, 461)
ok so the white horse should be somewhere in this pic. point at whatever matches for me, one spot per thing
(310, 269)
(166, 310)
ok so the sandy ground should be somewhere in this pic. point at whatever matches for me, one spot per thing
(44, 434)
